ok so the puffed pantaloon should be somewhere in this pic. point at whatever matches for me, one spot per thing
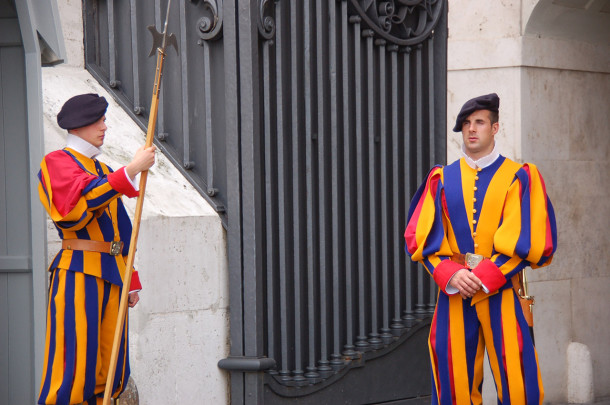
(459, 335)
(81, 320)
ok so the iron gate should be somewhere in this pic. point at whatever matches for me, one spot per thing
(308, 124)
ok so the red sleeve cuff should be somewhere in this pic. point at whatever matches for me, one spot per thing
(444, 271)
(119, 182)
(490, 275)
(135, 284)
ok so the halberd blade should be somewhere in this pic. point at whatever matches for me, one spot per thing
(170, 39)
(157, 39)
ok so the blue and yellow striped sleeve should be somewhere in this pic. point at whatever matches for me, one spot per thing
(426, 235)
(71, 195)
(527, 235)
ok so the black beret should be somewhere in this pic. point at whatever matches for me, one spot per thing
(82, 110)
(489, 102)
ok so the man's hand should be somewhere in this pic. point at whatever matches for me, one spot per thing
(142, 160)
(134, 297)
(466, 283)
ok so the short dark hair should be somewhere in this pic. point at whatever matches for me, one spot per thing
(494, 116)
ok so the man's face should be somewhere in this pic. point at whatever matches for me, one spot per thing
(92, 133)
(478, 134)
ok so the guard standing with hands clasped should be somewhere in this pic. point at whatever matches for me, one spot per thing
(83, 198)
(475, 225)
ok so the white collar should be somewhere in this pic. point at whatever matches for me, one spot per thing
(484, 161)
(81, 146)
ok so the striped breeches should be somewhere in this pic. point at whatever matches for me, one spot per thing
(81, 320)
(459, 335)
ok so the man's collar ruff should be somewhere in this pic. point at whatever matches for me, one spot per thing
(484, 161)
(81, 146)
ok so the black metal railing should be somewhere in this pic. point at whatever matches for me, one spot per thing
(352, 122)
(191, 117)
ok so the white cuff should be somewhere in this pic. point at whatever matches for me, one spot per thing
(450, 290)
(134, 183)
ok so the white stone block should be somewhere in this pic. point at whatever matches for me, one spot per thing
(580, 374)
(174, 357)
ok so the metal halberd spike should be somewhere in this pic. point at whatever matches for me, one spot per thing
(158, 40)
(161, 40)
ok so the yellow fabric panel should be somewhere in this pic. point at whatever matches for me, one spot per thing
(57, 373)
(45, 365)
(80, 318)
(458, 354)
(538, 216)
(491, 211)
(483, 314)
(507, 235)
(512, 350)
(91, 260)
(476, 395)
(106, 338)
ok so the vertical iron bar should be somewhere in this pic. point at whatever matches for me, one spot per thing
(312, 372)
(420, 307)
(111, 46)
(431, 100)
(209, 136)
(97, 37)
(186, 140)
(361, 340)
(234, 203)
(296, 184)
(431, 136)
(409, 268)
(135, 54)
(419, 112)
(385, 188)
(348, 129)
(161, 111)
(284, 265)
(323, 221)
(396, 326)
(335, 357)
(374, 339)
(252, 187)
(270, 203)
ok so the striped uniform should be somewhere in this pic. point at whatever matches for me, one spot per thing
(503, 213)
(82, 197)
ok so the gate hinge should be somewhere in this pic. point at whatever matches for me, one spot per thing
(246, 363)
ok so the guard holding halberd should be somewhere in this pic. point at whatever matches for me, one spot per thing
(83, 198)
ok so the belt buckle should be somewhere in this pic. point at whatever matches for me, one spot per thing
(116, 247)
(472, 260)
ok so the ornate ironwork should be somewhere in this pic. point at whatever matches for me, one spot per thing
(402, 22)
(209, 27)
(266, 22)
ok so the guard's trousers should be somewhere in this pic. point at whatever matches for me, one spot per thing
(81, 320)
(459, 335)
